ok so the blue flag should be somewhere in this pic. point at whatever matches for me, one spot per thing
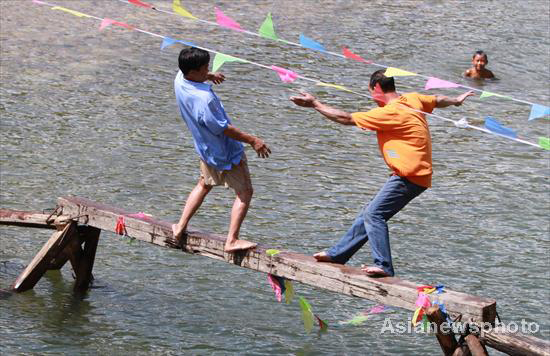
(496, 127)
(539, 111)
(309, 43)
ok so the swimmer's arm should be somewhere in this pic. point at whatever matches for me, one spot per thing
(467, 73)
(444, 101)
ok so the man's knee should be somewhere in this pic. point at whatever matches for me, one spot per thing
(245, 193)
(202, 184)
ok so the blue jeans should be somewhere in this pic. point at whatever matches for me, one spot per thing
(370, 225)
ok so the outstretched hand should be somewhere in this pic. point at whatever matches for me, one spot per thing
(261, 148)
(305, 100)
(216, 78)
(460, 99)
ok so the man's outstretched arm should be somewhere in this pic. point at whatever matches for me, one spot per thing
(444, 101)
(309, 101)
(257, 143)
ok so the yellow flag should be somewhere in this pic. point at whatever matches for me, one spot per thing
(333, 86)
(76, 13)
(396, 72)
(176, 6)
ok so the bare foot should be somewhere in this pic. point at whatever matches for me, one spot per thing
(374, 271)
(239, 245)
(322, 257)
(177, 233)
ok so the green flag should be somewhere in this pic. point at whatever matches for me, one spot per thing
(307, 315)
(544, 142)
(221, 58)
(267, 30)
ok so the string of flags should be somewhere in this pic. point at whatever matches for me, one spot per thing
(492, 126)
(267, 31)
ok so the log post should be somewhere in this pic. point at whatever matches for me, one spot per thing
(40, 263)
(475, 346)
(85, 263)
(444, 334)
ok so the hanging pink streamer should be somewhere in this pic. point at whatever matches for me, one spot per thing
(276, 287)
(108, 22)
(434, 83)
(226, 21)
(377, 309)
(423, 301)
(286, 75)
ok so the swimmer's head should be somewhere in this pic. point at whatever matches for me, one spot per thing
(479, 60)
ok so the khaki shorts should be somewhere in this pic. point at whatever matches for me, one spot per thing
(238, 177)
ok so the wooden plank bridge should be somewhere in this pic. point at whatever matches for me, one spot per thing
(78, 223)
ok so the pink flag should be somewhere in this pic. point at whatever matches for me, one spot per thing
(377, 309)
(226, 21)
(351, 55)
(438, 83)
(276, 287)
(142, 4)
(423, 301)
(39, 2)
(108, 22)
(286, 75)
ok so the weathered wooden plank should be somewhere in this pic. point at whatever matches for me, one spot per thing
(301, 268)
(514, 343)
(476, 348)
(31, 219)
(40, 263)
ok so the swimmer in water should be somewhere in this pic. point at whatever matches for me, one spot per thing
(478, 70)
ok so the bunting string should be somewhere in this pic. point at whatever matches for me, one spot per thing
(289, 76)
(267, 31)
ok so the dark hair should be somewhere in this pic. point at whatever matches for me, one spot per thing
(480, 53)
(192, 59)
(387, 84)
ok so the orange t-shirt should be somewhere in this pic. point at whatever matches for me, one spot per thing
(403, 135)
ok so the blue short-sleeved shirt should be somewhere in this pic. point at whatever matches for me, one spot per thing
(203, 112)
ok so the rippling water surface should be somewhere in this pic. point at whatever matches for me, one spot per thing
(93, 114)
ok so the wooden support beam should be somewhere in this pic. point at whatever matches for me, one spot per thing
(85, 262)
(446, 337)
(514, 343)
(40, 263)
(294, 266)
(31, 219)
(476, 348)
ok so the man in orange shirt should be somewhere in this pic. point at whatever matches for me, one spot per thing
(405, 142)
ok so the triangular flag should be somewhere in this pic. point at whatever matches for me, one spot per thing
(76, 13)
(311, 44)
(544, 142)
(39, 2)
(349, 54)
(266, 29)
(538, 111)
(496, 127)
(417, 316)
(423, 301)
(356, 320)
(176, 7)
(396, 72)
(272, 252)
(434, 83)
(167, 41)
(340, 87)
(220, 59)
(108, 22)
(307, 315)
(286, 75)
(289, 291)
(377, 309)
(226, 21)
(142, 4)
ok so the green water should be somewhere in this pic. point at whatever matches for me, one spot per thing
(93, 114)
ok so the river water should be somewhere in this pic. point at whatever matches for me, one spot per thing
(93, 114)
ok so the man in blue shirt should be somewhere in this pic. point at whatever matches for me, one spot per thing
(218, 143)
